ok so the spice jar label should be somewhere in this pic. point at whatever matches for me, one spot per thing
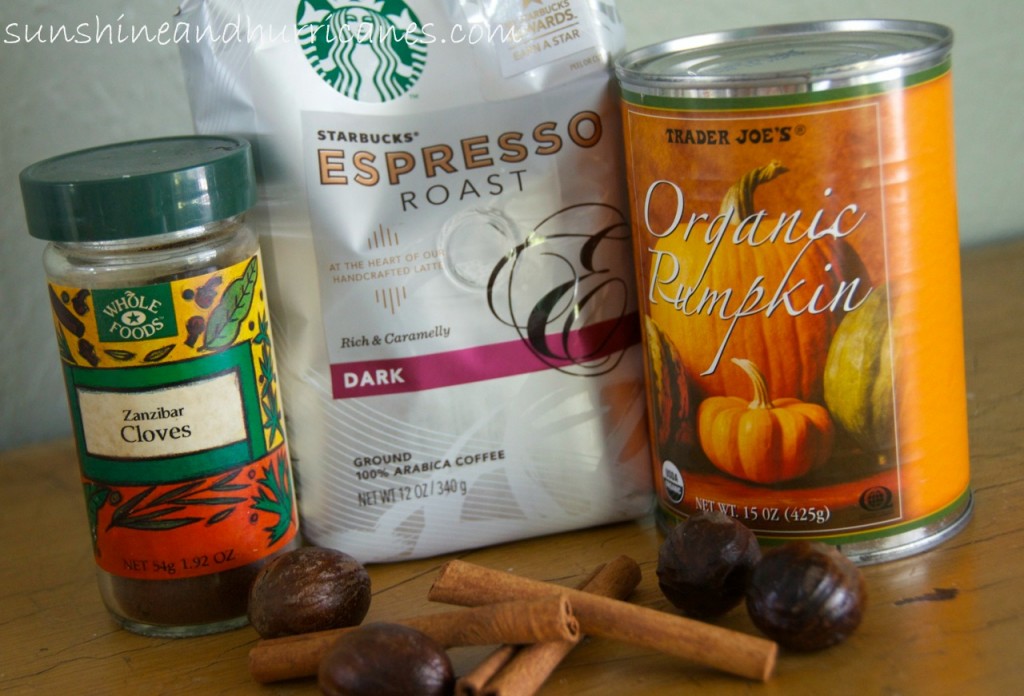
(174, 399)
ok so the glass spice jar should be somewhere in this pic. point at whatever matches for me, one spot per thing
(157, 295)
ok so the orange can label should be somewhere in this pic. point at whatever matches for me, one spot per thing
(798, 266)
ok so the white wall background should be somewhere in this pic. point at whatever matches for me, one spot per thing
(61, 98)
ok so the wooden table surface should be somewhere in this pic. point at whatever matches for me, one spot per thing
(55, 635)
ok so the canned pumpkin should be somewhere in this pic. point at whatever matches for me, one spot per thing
(794, 215)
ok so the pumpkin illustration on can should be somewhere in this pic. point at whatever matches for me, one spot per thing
(764, 440)
(712, 304)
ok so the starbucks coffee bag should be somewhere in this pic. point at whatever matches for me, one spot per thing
(449, 260)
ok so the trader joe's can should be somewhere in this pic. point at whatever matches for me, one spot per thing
(794, 214)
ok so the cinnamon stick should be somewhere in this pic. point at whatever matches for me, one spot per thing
(513, 669)
(535, 619)
(463, 583)
(473, 682)
(527, 671)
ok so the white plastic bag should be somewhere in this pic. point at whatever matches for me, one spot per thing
(449, 258)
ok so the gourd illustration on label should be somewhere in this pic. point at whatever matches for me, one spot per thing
(447, 239)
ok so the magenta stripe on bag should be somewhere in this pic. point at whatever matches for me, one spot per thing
(585, 350)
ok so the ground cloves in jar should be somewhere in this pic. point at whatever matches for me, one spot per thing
(157, 297)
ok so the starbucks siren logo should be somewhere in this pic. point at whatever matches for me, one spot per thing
(368, 50)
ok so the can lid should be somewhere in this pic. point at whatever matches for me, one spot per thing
(138, 189)
(786, 58)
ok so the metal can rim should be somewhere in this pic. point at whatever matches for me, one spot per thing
(928, 44)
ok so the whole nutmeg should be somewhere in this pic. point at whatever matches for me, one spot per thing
(384, 659)
(806, 596)
(704, 564)
(308, 589)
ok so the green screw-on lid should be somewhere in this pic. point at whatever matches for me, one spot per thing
(138, 189)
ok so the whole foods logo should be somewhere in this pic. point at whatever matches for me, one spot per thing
(135, 314)
(368, 50)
